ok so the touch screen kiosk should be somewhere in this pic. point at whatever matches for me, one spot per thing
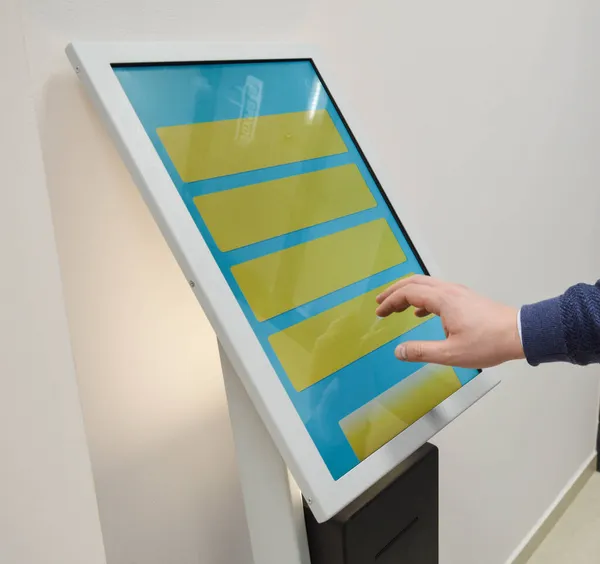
(256, 171)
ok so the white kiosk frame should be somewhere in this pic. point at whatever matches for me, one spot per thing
(241, 350)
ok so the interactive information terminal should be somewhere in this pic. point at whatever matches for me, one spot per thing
(275, 212)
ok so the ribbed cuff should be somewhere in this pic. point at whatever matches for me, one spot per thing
(542, 332)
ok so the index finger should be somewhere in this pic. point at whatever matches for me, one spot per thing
(418, 295)
(414, 279)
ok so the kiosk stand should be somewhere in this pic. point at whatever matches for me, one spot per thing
(394, 522)
(272, 500)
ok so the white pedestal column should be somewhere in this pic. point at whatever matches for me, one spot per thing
(272, 500)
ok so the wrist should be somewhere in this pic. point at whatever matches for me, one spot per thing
(513, 332)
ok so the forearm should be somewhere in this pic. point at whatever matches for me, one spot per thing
(565, 329)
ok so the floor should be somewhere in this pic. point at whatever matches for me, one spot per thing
(576, 537)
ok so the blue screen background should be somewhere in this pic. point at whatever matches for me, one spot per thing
(165, 95)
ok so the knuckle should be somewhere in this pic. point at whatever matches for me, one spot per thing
(455, 290)
(451, 355)
(418, 351)
(447, 356)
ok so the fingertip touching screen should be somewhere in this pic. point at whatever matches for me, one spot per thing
(304, 236)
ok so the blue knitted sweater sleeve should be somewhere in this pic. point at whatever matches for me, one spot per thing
(565, 329)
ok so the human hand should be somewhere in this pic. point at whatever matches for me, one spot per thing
(480, 332)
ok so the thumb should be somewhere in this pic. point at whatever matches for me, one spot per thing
(436, 352)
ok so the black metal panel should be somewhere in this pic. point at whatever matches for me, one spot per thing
(394, 522)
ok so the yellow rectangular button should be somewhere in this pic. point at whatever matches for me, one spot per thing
(321, 345)
(220, 148)
(282, 281)
(247, 215)
(379, 421)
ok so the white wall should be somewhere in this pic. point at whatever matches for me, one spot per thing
(48, 510)
(486, 115)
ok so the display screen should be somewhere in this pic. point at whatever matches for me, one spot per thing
(304, 236)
